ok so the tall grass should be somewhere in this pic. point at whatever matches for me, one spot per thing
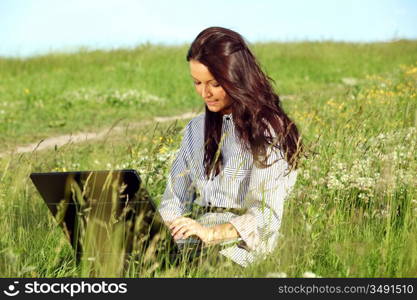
(351, 214)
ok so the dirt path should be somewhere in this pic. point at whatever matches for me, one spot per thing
(61, 140)
(88, 136)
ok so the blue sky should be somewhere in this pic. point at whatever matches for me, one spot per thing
(30, 27)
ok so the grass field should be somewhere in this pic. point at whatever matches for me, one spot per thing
(352, 211)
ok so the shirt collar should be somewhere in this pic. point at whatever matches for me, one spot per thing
(227, 117)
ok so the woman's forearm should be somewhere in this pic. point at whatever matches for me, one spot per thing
(222, 232)
(184, 227)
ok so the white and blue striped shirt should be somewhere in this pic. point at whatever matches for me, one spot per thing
(241, 185)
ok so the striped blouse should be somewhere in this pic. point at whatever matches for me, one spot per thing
(240, 185)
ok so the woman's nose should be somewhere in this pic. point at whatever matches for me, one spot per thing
(205, 93)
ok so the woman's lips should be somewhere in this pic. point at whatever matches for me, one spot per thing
(211, 102)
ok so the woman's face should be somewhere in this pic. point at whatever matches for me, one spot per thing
(206, 85)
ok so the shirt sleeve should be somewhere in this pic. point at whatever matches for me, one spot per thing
(178, 195)
(268, 188)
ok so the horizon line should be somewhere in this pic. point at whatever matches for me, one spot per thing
(68, 50)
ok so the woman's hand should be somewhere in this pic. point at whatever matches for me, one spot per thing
(182, 228)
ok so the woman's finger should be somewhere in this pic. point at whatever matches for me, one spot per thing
(180, 232)
(181, 224)
(178, 224)
(180, 221)
(190, 232)
(196, 230)
(177, 228)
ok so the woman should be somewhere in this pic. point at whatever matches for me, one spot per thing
(237, 161)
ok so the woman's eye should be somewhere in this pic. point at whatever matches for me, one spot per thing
(196, 83)
(216, 84)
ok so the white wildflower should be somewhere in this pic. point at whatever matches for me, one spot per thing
(309, 274)
(350, 81)
(334, 183)
(276, 275)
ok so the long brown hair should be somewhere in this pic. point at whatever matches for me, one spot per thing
(256, 108)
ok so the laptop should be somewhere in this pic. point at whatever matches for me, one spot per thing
(108, 217)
